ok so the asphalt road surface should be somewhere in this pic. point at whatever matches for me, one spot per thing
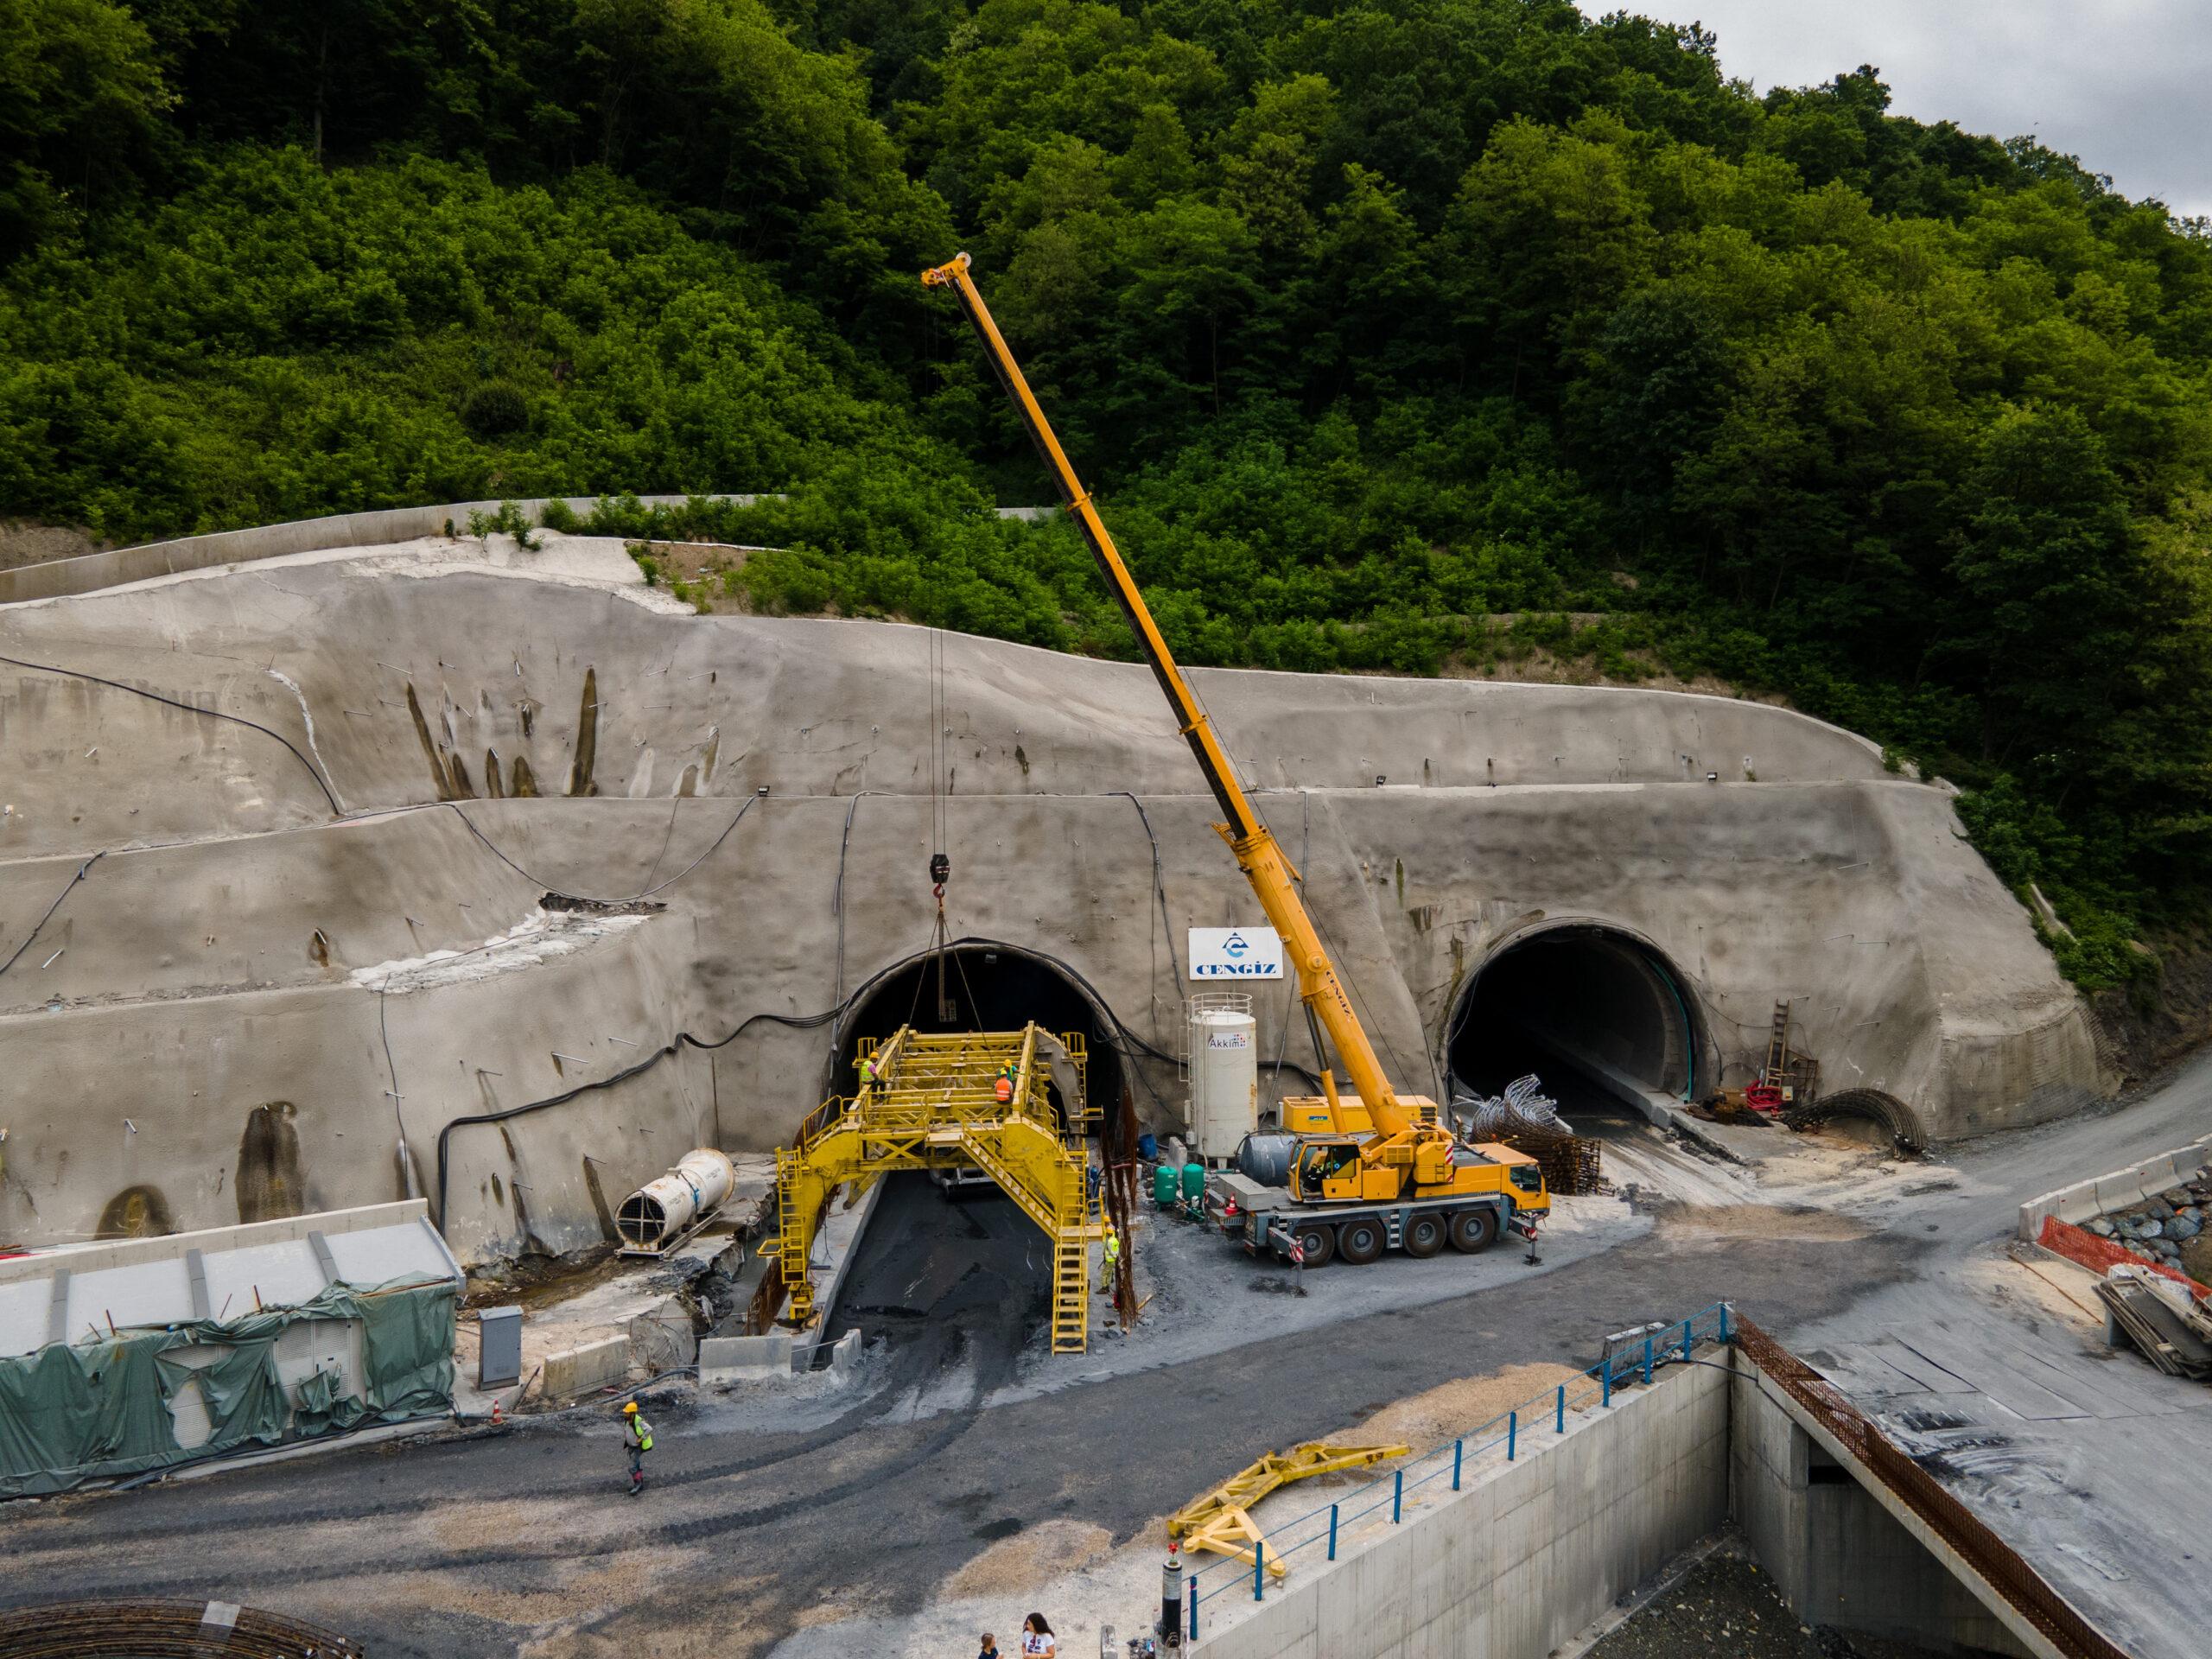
(757, 1525)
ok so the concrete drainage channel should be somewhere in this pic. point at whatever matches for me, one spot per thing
(1743, 1436)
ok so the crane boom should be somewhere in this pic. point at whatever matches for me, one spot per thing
(1257, 853)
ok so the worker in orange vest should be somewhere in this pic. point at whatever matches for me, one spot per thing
(1003, 1089)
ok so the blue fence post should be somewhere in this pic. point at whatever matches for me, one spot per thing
(1724, 1321)
(1398, 1497)
(1605, 1384)
(1647, 1361)
(1559, 1425)
(1333, 1532)
(1194, 1607)
(1512, 1433)
(1259, 1569)
(1686, 1338)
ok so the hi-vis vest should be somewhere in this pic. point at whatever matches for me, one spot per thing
(641, 1432)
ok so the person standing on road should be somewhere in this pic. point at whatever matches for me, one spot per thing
(637, 1439)
(1037, 1640)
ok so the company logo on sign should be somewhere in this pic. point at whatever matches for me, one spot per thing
(1229, 1039)
(1236, 953)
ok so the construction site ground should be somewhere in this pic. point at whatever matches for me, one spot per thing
(960, 1477)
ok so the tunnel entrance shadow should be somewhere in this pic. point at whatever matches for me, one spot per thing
(1599, 1014)
(989, 986)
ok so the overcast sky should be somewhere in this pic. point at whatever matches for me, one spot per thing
(2125, 85)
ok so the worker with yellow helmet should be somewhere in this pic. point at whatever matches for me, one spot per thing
(637, 1439)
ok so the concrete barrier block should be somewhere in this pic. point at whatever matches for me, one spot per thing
(729, 1358)
(594, 1365)
(847, 1352)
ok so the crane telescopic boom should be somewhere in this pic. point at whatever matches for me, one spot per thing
(1257, 854)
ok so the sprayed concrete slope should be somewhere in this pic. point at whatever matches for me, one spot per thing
(289, 1002)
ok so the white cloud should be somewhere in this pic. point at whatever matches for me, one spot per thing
(2122, 83)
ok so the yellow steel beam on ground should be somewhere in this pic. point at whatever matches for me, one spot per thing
(1231, 1532)
(1247, 1486)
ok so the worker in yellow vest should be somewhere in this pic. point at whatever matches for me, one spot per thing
(1113, 1250)
(638, 1438)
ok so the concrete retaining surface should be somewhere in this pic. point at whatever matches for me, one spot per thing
(1532, 1553)
(220, 976)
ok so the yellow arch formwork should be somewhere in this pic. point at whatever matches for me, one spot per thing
(931, 1102)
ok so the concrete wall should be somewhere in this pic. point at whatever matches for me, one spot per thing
(1839, 1552)
(217, 978)
(1529, 1556)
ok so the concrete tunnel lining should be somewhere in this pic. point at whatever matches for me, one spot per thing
(1595, 1010)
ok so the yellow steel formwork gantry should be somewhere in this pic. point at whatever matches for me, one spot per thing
(931, 1102)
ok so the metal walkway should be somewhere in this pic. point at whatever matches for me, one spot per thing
(933, 1103)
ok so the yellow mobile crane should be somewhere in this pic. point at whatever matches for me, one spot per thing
(1373, 1167)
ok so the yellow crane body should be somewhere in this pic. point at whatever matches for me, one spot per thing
(1401, 1147)
(929, 1101)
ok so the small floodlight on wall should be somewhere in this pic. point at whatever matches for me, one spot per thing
(1711, 777)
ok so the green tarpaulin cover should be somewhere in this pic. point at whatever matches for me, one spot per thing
(102, 1408)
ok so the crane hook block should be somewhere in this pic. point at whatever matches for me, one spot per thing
(940, 868)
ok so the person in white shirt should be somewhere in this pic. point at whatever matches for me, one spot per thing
(1037, 1641)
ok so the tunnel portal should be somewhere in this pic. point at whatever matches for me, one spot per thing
(1596, 1013)
(987, 987)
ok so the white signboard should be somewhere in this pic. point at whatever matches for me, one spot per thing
(1236, 953)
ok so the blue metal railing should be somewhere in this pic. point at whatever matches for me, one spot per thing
(1320, 1526)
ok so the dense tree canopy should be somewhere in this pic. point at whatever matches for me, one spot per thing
(1373, 320)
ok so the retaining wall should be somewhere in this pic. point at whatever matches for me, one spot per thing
(1524, 1559)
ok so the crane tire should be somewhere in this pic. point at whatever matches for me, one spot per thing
(1318, 1240)
(1359, 1241)
(1425, 1235)
(1473, 1229)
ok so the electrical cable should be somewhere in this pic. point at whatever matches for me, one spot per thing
(683, 1040)
(321, 783)
(584, 899)
(837, 893)
(66, 888)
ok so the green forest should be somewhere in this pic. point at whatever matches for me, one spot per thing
(1372, 322)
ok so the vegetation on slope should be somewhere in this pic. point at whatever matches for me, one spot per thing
(1370, 320)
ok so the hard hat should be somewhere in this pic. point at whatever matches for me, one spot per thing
(629, 1409)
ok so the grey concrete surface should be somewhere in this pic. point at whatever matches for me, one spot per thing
(1529, 1553)
(1844, 1550)
(283, 999)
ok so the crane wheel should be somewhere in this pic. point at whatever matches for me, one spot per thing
(1359, 1241)
(1473, 1229)
(1319, 1241)
(1424, 1235)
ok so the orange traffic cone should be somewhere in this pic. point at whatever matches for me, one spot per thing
(498, 1417)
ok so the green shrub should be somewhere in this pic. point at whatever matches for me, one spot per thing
(495, 409)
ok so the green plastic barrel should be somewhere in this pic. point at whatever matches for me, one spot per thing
(1163, 1186)
(1194, 1182)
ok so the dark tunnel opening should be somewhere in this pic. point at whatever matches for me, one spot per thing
(1599, 1015)
(987, 987)
(960, 1282)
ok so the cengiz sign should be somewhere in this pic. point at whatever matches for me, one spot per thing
(1236, 953)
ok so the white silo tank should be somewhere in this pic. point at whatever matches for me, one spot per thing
(1224, 1073)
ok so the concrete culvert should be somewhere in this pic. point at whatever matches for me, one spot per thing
(1597, 1014)
(988, 987)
